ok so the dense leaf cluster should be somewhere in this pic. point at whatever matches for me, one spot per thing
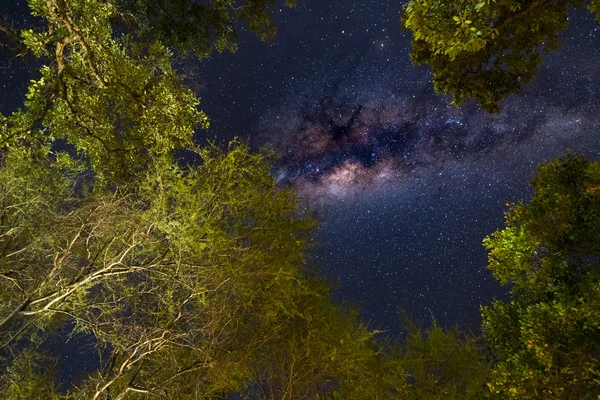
(548, 338)
(198, 27)
(485, 49)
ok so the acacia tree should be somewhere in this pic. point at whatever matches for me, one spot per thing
(179, 279)
(482, 49)
(433, 363)
(547, 339)
(189, 284)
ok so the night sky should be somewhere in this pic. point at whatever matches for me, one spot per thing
(405, 185)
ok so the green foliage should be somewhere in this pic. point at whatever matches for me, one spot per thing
(428, 364)
(380, 377)
(485, 49)
(193, 282)
(29, 376)
(324, 344)
(196, 26)
(443, 364)
(547, 338)
(117, 101)
(107, 85)
(595, 8)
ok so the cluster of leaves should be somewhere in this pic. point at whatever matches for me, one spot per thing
(107, 85)
(198, 27)
(117, 101)
(485, 49)
(443, 364)
(595, 8)
(548, 338)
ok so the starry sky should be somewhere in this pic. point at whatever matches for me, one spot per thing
(405, 185)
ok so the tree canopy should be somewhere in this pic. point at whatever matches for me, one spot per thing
(189, 282)
(198, 27)
(485, 50)
(106, 84)
(548, 337)
(184, 280)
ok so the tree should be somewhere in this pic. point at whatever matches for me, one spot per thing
(432, 363)
(115, 100)
(29, 376)
(193, 26)
(548, 337)
(485, 50)
(107, 85)
(321, 349)
(189, 282)
(179, 279)
(442, 363)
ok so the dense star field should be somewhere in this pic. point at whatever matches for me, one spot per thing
(406, 186)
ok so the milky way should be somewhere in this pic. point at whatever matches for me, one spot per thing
(332, 149)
